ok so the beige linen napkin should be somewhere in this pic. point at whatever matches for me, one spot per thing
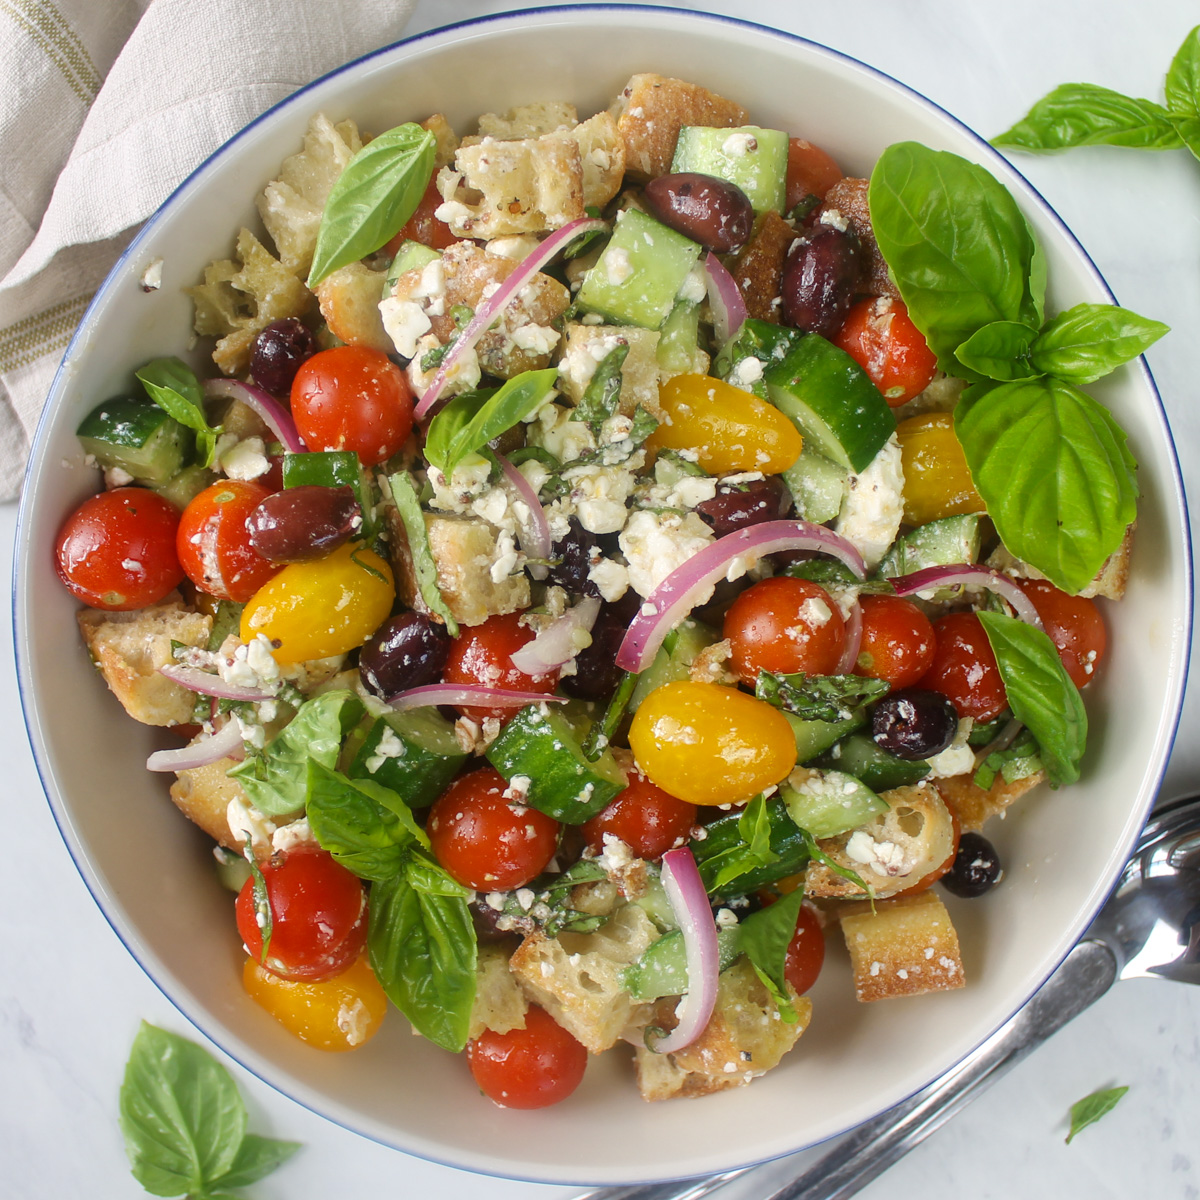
(107, 105)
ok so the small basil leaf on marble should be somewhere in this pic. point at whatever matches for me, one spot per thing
(1082, 114)
(1091, 1108)
(1182, 84)
(256, 1158)
(1000, 351)
(1088, 341)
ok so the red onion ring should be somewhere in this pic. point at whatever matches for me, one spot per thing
(277, 418)
(676, 596)
(535, 540)
(555, 644)
(970, 575)
(689, 902)
(435, 694)
(207, 684)
(225, 743)
(724, 299)
(854, 631)
(499, 300)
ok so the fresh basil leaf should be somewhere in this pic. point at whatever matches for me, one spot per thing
(276, 780)
(600, 397)
(1040, 693)
(1082, 114)
(1091, 1108)
(1055, 473)
(764, 938)
(173, 386)
(1088, 341)
(1182, 85)
(602, 731)
(999, 351)
(819, 697)
(551, 911)
(830, 573)
(579, 245)
(957, 246)
(373, 197)
(755, 339)
(261, 897)
(416, 537)
(256, 1157)
(466, 424)
(422, 947)
(181, 1116)
(755, 827)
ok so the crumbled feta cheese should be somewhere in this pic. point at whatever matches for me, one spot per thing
(152, 276)
(610, 577)
(600, 495)
(834, 219)
(535, 339)
(738, 145)
(617, 266)
(874, 504)
(464, 374)
(884, 858)
(404, 321)
(516, 247)
(247, 824)
(507, 557)
(656, 544)
(695, 285)
(246, 459)
(289, 836)
(958, 758)
(747, 372)
(556, 430)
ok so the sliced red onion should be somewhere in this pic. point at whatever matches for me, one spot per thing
(854, 631)
(492, 307)
(725, 299)
(225, 743)
(207, 684)
(535, 539)
(434, 694)
(689, 902)
(970, 575)
(277, 418)
(556, 644)
(677, 595)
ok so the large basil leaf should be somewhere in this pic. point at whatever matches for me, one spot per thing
(276, 781)
(408, 508)
(1183, 91)
(764, 938)
(1088, 341)
(1082, 114)
(1055, 473)
(957, 245)
(173, 386)
(1040, 693)
(422, 947)
(999, 351)
(373, 197)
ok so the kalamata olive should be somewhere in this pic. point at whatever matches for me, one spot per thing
(820, 279)
(976, 868)
(914, 723)
(406, 651)
(279, 352)
(711, 211)
(574, 552)
(300, 524)
(739, 505)
(596, 671)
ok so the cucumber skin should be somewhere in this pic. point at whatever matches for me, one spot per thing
(760, 173)
(136, 436)
(410, 256)
(420, 774)
(858, 755)
(787, 841)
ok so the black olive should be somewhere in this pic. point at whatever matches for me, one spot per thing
(976, 868)
(914, 723)
(406, 651)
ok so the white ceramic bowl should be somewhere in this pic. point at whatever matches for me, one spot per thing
(150, 870)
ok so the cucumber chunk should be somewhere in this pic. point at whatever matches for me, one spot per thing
(814, 737)
(940, 543)
(539, 745)
(662, 968)
(679, 338)
(859, 756)
(640, 272)
(136, 436)
(674, 659)
(183, 487)
(414, 753)
(723, 839)
(832, 401)
(818, 486)
(409, 257)
(753, 158)
(829, 802)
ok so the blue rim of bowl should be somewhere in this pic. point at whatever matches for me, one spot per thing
(202, 1020)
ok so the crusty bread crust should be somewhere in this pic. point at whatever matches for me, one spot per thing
(972, 805)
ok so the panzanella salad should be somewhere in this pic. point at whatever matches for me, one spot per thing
(605, 556)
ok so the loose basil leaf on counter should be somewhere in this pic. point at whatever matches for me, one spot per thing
(1040, 693)
(174, 387)
(373, 197)
(1089, 341)
(408, 508)
(1055, 473)
(1182, 88)
(819, 697)
(764, 938)
(1091, 1108)
(1082, 114)
(257, 1157)
(1000, 351)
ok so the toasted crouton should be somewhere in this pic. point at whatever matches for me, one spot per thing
(758, 267)
(445, 139)
(891, 852)
(972, 805)
(528, 121)
(650, 111)
(499, 1005)
(588, 344)
(203, 794)
(849, 197)
(744, 1038)
(904, 947)
(1110, 580)
(129, 647)
(602, 155)
(576, 977)
(349, 300)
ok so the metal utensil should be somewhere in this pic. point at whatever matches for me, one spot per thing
(1149, 926)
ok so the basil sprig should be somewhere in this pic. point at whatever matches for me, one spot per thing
(373, 197)
(819, 697)
(184, 1122)
(1091, 1108)
(174, 387)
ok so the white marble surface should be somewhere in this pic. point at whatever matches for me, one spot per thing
(71, 998)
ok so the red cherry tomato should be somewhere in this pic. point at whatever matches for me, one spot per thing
(116, 551)
(481, 656)
(879, 336)
(214, 542)
(423, 226)
(485, 842)
(810, 172)
(1073, 624)
(805, 952)
(964, 668)
(897, 641)
(353, 398)
(528, 1068)
(784, 625)
(647, 819)
(318, 915)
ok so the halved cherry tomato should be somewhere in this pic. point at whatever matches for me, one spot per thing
(485, 842)
(810, 172)
(353, 398)
(647, 819)
(214, 541)
(897, 641)
(528, 1068)
(481, 656)
(1073, 624)
(805, 952)
(318, 915)
(879, 336)
(784, 625)
(964, 668)
(116, 551)
(423, 226)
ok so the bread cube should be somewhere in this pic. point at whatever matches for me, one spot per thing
(973, 805)
(905, 947)
(849, 197)
(758, 267)
(204, 794)
(587, 345)
(445, 139)
(1110, 580)
(349, 300)
(528, 121)
(602, 156)
(499, 1005)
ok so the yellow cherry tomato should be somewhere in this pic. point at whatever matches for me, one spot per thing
(710, 744)
(730, 429)
(937, 482)
(331, 1014)
(317, 609)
